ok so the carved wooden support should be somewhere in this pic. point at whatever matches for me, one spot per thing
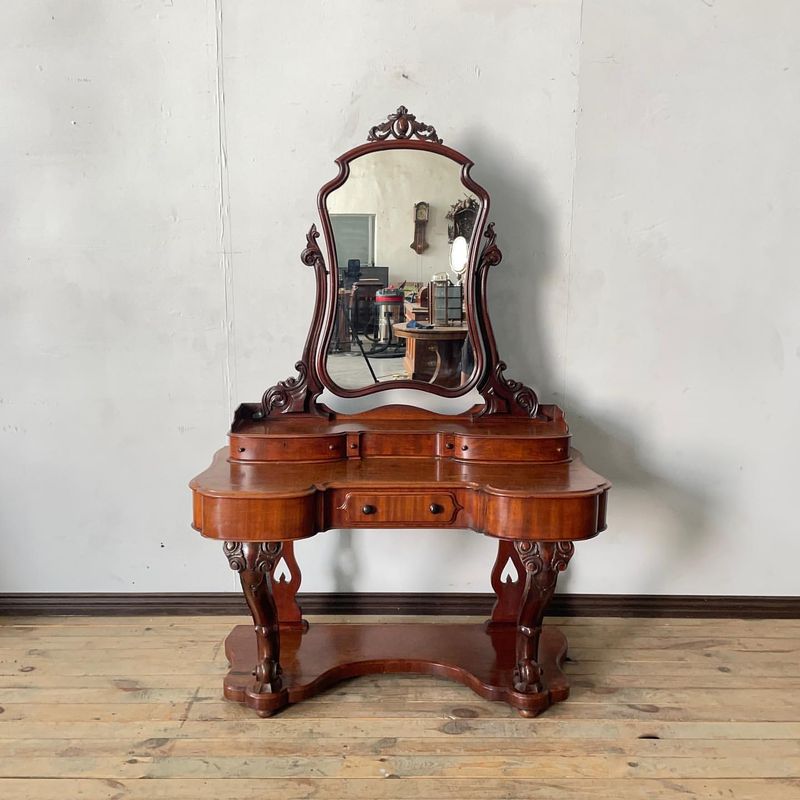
(508, 582)
(298, 395)
(255, 562)
(542, 562)
(501, 395)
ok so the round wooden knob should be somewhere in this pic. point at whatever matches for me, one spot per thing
(435, 508)
(368, 509)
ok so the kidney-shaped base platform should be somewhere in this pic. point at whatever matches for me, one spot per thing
(327, 653)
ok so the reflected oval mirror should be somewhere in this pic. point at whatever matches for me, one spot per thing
(459, 256)
(402, 227)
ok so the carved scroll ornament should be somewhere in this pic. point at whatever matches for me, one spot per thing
(542, 561)
(403, 125)
(255, 562)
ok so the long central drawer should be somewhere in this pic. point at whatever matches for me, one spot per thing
(388, 509)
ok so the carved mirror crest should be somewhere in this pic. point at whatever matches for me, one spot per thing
(393, 316)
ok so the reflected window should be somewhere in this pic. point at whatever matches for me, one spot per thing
(354, 235)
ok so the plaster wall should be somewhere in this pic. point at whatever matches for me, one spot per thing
(160, 164)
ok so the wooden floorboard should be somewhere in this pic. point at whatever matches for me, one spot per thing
(131, 707)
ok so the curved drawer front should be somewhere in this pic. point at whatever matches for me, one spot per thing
(545, 518)
(290, 448)
(254, 518)
(393, 509)
(475, 448)
(520, 449)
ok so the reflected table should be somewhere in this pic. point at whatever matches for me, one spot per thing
(433, 355)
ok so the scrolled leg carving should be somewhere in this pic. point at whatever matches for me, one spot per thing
(255, 561)
(542, 561)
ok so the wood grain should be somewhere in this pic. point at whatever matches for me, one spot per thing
(285, 500)
(651, 715)
(329, 653)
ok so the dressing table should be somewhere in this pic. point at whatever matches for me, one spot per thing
(504, 468)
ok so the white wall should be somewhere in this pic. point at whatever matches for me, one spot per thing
(160, 163)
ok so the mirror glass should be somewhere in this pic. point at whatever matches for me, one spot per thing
(402, 230)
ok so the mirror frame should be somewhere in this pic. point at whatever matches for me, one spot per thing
(473, 325)
(502, 396)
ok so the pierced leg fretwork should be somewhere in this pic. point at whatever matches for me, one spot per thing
(542, 562)
(508, 582)
(286, 577)
(255, 562)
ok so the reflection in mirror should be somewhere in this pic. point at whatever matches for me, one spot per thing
(459, 256)
(402, 225)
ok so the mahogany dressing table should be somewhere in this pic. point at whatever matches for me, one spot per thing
(294, 468)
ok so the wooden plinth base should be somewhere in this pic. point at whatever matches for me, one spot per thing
(328, 653)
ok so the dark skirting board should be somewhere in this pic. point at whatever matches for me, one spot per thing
(467, 604)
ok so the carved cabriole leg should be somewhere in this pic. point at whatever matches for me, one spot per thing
(542, 562)
(254, 561)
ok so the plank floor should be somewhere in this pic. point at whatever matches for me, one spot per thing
(131, 707)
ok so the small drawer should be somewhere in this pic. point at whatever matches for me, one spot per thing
(297, 448)
(390, 444)
(374, 509)
(520, 449)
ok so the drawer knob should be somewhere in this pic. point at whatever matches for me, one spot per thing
(435, 508)
(368, 509)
